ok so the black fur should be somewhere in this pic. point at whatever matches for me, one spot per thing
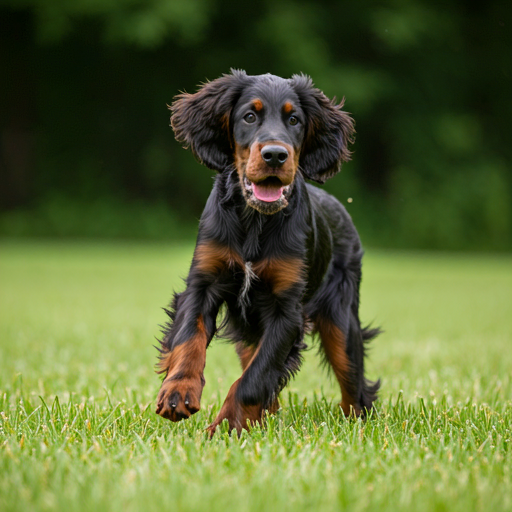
(313, 229)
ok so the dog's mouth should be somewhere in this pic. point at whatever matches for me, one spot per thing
(268, 190)
(268, 196)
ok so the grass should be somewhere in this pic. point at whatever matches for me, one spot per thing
(77, 393)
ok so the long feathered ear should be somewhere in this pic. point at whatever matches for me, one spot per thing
(329, 131)
(201, 120)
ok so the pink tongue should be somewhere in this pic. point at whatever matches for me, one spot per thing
(266, 193)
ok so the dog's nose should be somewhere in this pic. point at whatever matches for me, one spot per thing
(274, 156)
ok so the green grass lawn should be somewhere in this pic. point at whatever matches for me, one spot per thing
(77, 393)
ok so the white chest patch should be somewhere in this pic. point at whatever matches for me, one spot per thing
(249, 276)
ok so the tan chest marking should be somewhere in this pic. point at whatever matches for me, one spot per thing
(281, 273)
(212, 258)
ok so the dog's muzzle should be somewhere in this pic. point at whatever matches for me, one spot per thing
(267, 177)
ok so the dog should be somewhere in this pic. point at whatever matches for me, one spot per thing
(280, 256)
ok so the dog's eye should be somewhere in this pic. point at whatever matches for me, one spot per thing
(250, 118)
(293, 120)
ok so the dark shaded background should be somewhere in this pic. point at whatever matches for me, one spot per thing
(86, 150)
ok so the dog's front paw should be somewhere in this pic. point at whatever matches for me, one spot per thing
(178, 399)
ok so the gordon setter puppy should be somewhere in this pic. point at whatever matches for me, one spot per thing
(283, 256)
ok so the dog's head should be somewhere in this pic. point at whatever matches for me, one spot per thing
(269, 128)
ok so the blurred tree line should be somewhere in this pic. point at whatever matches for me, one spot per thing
(85, 146)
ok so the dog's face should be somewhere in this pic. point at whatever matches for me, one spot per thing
(269, 128)
(268, 132)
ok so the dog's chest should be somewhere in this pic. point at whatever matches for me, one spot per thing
(273, 276)
(249, 277)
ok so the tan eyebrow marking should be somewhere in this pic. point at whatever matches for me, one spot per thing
(257, 104)
(287, 107)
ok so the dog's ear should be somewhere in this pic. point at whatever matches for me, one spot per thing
(329, 131)
(201, 120)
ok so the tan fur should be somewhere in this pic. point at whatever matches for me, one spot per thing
(212, 258)
(187, 362)
(334, 345)
(257, 104)
(282, 273)
(256, 169)
(245, 354)
(240, 416)
(287, 107)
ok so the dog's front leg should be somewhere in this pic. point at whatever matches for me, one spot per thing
(180, 393)
(192, 326)
(183, 359)
(276, 358)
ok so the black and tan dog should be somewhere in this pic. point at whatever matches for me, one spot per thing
(283, 256)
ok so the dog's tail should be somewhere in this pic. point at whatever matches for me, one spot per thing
(369, 333)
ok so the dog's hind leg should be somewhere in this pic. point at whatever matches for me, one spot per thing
(245, 353)
(357, 393)
(254, 381)
(343, 339)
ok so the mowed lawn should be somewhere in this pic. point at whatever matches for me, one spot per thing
(78, 430)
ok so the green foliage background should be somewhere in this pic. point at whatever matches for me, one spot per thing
(86, 149)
